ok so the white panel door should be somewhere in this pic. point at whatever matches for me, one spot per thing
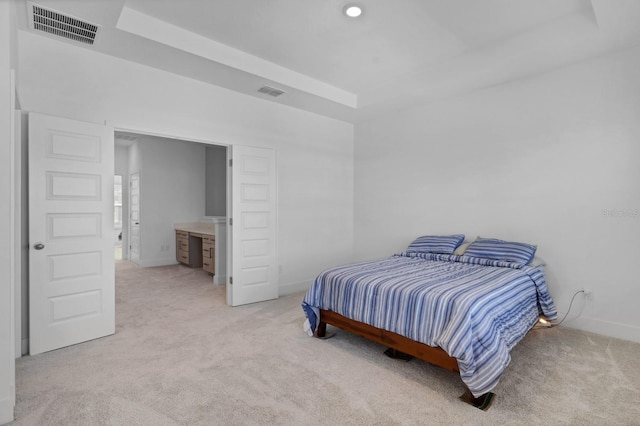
(253, 263)
(71, 256)
(134, 218)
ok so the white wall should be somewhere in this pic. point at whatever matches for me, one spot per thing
(7, 248)
(535, 160)
(172, 190)
(314, 153)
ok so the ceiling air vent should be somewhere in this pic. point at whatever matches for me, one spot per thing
(60, 24)
(271, 91)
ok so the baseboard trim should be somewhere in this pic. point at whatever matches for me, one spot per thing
(219, 279)
(607, 328)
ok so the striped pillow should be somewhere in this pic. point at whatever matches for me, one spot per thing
(445, 244)
(491, 248)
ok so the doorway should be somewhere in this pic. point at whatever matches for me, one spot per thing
(168, 181)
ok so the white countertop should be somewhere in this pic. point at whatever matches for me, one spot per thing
(196, 227)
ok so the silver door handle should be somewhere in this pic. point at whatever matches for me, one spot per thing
(38, 246)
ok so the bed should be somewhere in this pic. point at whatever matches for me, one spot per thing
(463, 310)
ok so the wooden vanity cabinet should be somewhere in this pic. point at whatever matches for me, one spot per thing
(196, 250)
(182, 247)
(208, 253)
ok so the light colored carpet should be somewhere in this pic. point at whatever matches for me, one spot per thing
(180, 356)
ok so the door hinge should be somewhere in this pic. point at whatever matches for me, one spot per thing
(230, 162)
(230, 221)
(231, 280)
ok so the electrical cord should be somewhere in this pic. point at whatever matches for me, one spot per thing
(555, 324)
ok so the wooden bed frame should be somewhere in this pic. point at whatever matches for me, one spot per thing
(433, 355)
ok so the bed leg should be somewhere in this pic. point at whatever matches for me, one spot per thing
(396, 354)
(482, 402)
(322, 329)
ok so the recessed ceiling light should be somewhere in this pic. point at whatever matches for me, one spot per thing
(352, 11)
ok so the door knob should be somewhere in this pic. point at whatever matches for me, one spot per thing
(38, 246)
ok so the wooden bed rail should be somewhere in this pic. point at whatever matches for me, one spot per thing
(431, 354)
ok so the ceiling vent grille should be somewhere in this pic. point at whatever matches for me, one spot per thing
(271, 91)
(61, 25)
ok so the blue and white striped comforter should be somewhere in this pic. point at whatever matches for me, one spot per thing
(475, 309)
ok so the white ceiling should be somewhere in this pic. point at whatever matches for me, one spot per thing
(398, 54)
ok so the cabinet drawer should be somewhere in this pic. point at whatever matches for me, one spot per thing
(206, 250)
(183, 257)
(182, 240)
(182, 247)
(207, 264)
